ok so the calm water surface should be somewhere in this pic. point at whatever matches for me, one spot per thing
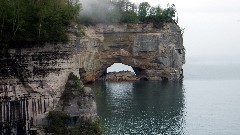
(189, 107)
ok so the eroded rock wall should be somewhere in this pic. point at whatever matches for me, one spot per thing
(154, 54)
(78, 101)
(32, 79)
(31, 82)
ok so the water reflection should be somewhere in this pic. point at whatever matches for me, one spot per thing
(151, 107)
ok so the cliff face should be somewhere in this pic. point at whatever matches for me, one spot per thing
(77, 101)
(32, 80)
(154, 54)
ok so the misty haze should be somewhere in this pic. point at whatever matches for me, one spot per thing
(119, 67)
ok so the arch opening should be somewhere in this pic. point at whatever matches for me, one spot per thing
(117, 67)
(119, 72)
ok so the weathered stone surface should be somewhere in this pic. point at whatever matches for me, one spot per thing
(78, 101)
(154, 54)
(32, 79)
(31, 82)
(121, 76)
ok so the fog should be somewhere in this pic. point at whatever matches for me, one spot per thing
(211, 28)
(98, 10)
(211, 36)
(90, 7)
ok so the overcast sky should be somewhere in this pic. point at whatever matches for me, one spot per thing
(212, 29)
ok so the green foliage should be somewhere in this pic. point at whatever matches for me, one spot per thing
(129, 17)
(158, 17)
(143, 11)
(57, 122)
(152, 12)
(35, 21)
(124, 11)
(169, 13)
(77, 83)
(87, 127)
(73, 88)
(161, 16)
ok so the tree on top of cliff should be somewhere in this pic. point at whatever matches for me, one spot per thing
(143, 11)
(129, 17)
(35, 21)
(123, 11)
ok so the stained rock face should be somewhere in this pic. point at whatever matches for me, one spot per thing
(77, 101)
(32, 80)
(31, 83)
(154, 54)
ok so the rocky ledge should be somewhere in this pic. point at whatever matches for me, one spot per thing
(121, 76)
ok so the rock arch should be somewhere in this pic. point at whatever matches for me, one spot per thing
(117, 67)
(39, 74)
(153, 53)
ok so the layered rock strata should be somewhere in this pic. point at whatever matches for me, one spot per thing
(31, 83)
(77, 101)
(33, 79)
(154, 54)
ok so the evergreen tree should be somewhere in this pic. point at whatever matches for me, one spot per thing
(143, 11)
(35, 21)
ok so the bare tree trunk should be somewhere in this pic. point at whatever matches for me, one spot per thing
(2, 25)
(17, 18)
(14, 18)
(39, 31)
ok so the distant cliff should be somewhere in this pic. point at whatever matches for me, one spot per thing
(32, 80)
(121, 76)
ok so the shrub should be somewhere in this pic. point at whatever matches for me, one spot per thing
(34, 22)
(57, 122)
(87, 127)
(73, 88)
(129, 17)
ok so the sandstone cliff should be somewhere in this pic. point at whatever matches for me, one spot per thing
(154, 54)
(77, 101)
(32, 80)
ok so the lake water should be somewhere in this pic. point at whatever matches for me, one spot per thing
(198, 105)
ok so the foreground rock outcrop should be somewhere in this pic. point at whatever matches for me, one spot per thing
(33, 80)
(77, 101)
